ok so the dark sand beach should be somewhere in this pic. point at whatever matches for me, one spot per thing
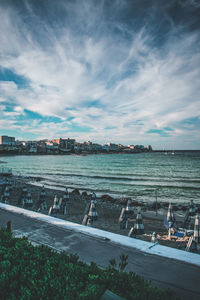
(108, 210)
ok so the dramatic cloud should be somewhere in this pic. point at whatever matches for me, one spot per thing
(120, 71)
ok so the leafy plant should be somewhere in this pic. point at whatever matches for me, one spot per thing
(29, 272)
(122, 264)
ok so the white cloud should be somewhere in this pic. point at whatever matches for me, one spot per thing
(135, 81)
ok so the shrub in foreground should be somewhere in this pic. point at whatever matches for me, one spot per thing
(30, 272)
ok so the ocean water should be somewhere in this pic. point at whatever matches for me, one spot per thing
(174, 178)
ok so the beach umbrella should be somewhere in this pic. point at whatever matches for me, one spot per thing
(22, 200)
(124, 222)
(85, 219)
(154, 238)
(196, 230)
(56, 205)
(9, 184)
(192, 209)
(94, 198)
(7, 192)
(6, 195)
(121, 214)
(22, 196)
(123, 219)
(129, 210)
(170, 216)
(66, 195)
(63, 202)
(43, 193)
(28, 200)
(138, 226)
(87, 208)
(190, 213)
(170, 219)
(63, 205)
(42, 199)
(24, 190)
(92, 211)
(55, 209)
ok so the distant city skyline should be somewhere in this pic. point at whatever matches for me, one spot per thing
(116, 71)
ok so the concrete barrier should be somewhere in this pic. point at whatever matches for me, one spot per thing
(143, 246)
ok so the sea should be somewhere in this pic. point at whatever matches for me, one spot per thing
(142, 176)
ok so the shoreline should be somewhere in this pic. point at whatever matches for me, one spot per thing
(40, 181)
(108, 209)
(15, 153)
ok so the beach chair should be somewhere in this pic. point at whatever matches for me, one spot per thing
(154, 238)
(191, 245)
(177, 232)
(132, 233)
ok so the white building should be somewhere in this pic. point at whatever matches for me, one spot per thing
(7, 140)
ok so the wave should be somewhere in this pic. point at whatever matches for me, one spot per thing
(125, 186)
(132, 179)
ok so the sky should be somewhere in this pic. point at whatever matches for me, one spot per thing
(106, 71)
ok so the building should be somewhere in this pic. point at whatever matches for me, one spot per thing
(65, 143)
(69, 144)
(113, 147)
(131, 146)
(33, 148)
(97, 147)
(139, 147)
(51, 147)
(57, 141)
(7, 140)
(105, 148)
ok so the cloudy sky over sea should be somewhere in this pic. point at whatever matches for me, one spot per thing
(113, 70)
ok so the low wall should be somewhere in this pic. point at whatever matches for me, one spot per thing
(143, 246)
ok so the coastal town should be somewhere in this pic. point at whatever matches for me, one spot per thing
(9, 145)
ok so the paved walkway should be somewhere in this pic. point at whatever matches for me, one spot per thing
(166, 273)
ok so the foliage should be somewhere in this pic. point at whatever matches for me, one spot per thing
(29, 272)
(122, 264)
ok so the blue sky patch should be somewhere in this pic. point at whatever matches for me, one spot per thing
(168, 129)
(36, 116)
(110, 127)
(77, 128)
(70, 118)
(192, 121)
(9, 75)
(92, 103)
(160, 132)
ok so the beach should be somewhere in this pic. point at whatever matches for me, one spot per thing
(108, 209)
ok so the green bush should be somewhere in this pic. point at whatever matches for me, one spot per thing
(29, 272)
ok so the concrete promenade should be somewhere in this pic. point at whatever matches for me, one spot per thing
(164, 272)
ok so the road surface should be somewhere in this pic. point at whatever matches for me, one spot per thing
(182, 277)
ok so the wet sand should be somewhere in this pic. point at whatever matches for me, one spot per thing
(108, 210)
